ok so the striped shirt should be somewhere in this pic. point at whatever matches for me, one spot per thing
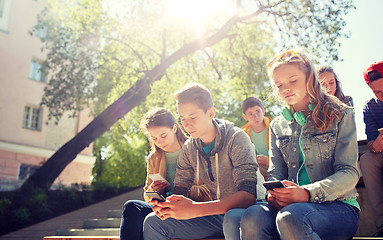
(373, 118)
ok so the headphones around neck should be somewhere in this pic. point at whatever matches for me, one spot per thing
(298, 116)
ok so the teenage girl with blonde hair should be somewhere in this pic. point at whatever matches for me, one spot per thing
(314, 152)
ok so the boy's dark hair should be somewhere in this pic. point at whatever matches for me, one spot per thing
(195, 93)
(251, 102)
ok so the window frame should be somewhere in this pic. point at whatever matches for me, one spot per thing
(32, 118)
(36, 71)
(26, 170)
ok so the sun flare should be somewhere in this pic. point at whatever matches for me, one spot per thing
(198, 11)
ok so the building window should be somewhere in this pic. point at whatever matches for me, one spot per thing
(26, 170)
(32, 117)
(5, 8)
(36, 71)
(41, 30)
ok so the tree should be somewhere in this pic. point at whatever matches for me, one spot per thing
(91, 42)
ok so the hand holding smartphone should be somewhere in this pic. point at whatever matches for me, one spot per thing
(157, 177)
(270, 185)
(155, 196)
(380, 130)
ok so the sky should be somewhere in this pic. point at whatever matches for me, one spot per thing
(364, 47)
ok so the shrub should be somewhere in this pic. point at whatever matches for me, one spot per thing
(4, 204)
(21, 215)
(39, 205)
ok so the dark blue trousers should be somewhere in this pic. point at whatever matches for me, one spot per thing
(133, 215)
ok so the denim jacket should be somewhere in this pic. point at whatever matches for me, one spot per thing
(330, 157)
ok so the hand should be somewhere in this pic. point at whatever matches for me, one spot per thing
(272, 201)
(159, 186)
(262, 160)
(292, 193)
(176, 206)
(378, 143)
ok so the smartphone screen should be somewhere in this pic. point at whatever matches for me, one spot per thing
(270, 185)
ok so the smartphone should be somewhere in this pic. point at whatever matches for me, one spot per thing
(157, 177)
(270, 185)
(155, 196)
(380, 130)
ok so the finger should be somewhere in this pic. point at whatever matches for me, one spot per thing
(174, 197)
(281, 203)
(164, 217)
(288, 183)
(153, 202)
(156, 208)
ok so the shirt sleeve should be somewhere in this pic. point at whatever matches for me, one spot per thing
(244, 162)
(346, 173)
(277, 166)
(370, 122)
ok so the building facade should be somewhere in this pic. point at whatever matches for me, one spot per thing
(26, 141)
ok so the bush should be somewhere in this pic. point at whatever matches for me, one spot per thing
(21, 215)
(38, 205)
(4, 204)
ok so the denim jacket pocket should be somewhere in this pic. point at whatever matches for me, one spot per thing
(283, 145)
(326, 143)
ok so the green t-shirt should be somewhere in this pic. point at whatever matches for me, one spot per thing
(208, 148)
(259, 141)
(303, 177)
(171, 165)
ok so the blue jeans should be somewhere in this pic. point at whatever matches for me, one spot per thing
(371, 165)
(231, 223)
(328, 220)
(133, 215)
(201, 227)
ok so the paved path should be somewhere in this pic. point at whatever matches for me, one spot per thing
(73, 219)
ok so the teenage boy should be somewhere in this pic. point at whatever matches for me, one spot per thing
(218, 154)
(371, 163)
(257, 129)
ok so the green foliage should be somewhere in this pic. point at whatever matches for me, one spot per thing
(120, 160)
(21, 215)
(95, 54)
(4, 204)
(38, 205)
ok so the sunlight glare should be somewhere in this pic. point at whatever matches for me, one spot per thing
(199, 10)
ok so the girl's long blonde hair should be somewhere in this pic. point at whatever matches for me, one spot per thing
(327, 108)
(161, 117)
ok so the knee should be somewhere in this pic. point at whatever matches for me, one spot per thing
(129, 208)
(254, 218)
(290, 217)
(150, 223)
(285, 220)
(368, 162)
(233, 217)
